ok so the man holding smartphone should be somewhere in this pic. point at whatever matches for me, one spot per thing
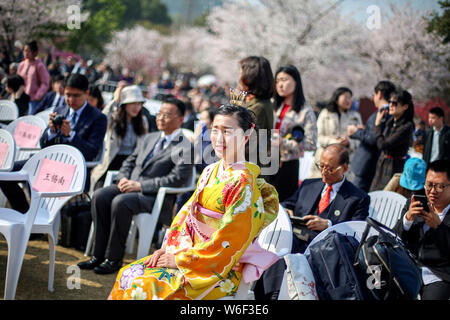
(426, 233)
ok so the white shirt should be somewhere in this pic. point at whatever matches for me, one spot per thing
(169, 137)
(435, 145)
(427, 275)
(333, 193)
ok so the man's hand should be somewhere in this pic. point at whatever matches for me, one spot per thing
(65, 128)
(351, 129)
(290, 212)
(316, 223)
(50, 122)
(126, 185)
(380, 116)
(431, 218)
(415, 208)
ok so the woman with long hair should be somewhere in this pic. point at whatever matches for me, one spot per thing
(293, 113)
(126, 126)
(210, 235)
(332, 125)
(394, 137)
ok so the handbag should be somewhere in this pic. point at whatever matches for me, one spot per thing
(392, 271)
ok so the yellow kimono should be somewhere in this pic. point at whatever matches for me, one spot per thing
(208, 266)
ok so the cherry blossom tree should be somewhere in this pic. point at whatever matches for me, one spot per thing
(138, 49)
(402, 51)
(25, 19)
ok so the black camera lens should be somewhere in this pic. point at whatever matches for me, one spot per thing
(58, 120)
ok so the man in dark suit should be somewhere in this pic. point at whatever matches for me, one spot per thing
(152, 165)
(54, 98)
(83, 127)
(321, 203)
(365, 157)
(437, 139)
(426, 233)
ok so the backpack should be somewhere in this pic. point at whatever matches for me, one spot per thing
(76, 222)
(331, 260)
(391, 270)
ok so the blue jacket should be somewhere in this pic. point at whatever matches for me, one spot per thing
(89, 132)
(46, 102)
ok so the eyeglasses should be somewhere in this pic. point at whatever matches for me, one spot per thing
(394, 103)
(326, 168)
(439, 187)
(164, 115)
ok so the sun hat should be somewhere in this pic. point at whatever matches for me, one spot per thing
(413, 175)
(131, 94)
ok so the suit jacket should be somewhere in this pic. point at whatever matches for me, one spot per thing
(444, 144)
(160, 170)
(89, 132)
(46, 102)
(350, 203)
(365, 157)
(432, 248)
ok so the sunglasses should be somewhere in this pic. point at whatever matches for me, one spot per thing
(394, 103)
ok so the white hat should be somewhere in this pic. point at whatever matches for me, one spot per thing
(131, 94)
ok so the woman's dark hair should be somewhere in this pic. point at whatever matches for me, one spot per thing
(33, 46)
(246, 118)
(299, 97)
(77, 81)
(14, 82)
(257, 76)
(212, 111)
(332, 105)
(120, 122)
(95, 92)
(405, 98)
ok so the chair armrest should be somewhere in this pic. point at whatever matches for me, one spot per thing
(177, 190)
(29, 148)
(14, 176)
(59, 194)
(110, 175)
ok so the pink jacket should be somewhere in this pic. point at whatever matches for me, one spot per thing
(36, 77)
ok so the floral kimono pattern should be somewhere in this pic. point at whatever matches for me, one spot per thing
(208, 264)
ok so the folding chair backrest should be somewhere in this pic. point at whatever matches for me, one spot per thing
(45, 114)
(386, 206)
(49, 206)
(8, 110)
(277, 236)
(34, 120)
(8, 161)
(99, 158)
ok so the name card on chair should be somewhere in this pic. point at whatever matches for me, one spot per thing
(27, 135)
(54, 176)
(3, 152)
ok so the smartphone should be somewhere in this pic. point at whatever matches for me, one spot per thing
(423, 201)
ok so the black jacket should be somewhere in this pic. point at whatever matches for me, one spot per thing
(444, 144)
(432, 248)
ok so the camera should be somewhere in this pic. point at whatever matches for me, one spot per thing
(384, 108)
(58, 120)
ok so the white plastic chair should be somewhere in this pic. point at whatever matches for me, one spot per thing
(8, 161)
(21, 152)
(276, 238)
(42, 214)
(45, 114)
(8, 111)
(98, 159)
(145, 223)
(386, 206)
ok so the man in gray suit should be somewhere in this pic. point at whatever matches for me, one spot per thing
(155, 163)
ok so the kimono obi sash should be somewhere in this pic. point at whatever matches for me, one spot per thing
(255, 258)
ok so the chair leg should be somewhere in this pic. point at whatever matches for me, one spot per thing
(90, 240)
(17, 245)
(131, 238)
(51, 261)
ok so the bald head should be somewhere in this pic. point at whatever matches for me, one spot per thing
(334, 161)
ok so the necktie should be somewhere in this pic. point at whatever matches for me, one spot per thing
(325, 201)
(73, 121)
(158, 148)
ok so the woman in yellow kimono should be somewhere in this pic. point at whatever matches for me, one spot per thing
(206, 246)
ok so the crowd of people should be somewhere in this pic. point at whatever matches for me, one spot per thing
(213, 229)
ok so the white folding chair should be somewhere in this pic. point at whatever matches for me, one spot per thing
(386, 206)
(276, 238)
(8, 111)
(24, 153)
(42, 214)
(145, 223)
(8, 160)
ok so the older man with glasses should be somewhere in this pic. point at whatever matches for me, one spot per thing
(321, 202)
(426, 231)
